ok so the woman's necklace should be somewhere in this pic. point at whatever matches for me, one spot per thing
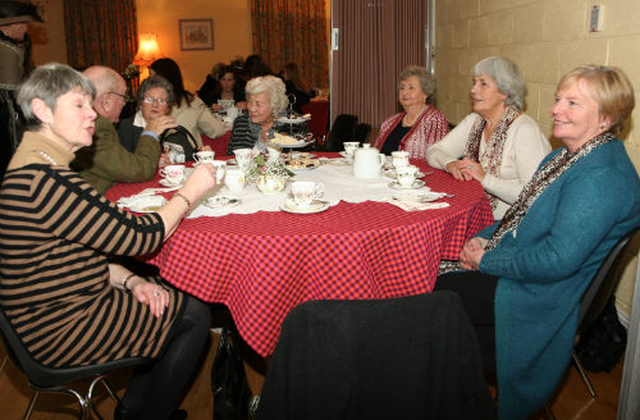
(47, 158)
(405, 121)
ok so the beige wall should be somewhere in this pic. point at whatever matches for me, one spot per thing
(231, 32)
(546, 38)
(48, 37)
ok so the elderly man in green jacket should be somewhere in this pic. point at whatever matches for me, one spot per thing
(106, 161)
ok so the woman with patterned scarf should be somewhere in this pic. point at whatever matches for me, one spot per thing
(497, 145)
(526, 275)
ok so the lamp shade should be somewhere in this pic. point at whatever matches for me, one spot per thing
(148, 51)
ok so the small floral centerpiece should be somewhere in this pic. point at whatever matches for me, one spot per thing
(270, 176)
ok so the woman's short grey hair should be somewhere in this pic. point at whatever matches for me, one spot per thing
(48, 82)
(274, 88)
(507, 76)
(156, 81)
(427, 81)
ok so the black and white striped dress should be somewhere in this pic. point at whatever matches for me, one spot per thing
(55, 233)
(247, 134)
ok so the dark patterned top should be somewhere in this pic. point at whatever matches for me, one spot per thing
(55, 233)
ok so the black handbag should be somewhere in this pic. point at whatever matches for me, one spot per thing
(231, 393)
(180, 136)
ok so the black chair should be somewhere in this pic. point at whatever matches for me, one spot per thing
(593, 302)
(46, 379)
(362, 132)
(400, 358)
(343, 129)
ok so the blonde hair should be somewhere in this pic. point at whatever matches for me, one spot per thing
(609, 86)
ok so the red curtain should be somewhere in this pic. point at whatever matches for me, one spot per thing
(101, 32)
(292, 31)
(377, 39)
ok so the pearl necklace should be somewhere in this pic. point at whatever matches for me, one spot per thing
(404, 119)
(47, 158)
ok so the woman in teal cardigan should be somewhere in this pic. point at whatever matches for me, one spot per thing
(527, 274)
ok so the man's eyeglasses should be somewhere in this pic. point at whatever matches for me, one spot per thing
(150, 100)
(126, 98)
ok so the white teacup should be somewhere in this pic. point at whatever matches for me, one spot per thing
(272, 154)
(406, 175)
(366, 145)
(400, 158)
(350, 147)
(304, 192)
(173, 174)
(220, 168)
(204, 156)
(232, 112)
(235, 180)
(243, 156)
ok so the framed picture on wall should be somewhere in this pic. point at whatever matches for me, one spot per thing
(196, 34)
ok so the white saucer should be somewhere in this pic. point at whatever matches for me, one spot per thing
(391, 173)
(222, 201)
(345, 155)
(148, 204)
(416, 184)
(338, 161)
(418, 196)
(316, 206)
(166, 183)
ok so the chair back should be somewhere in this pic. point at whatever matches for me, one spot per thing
(343, 129)
(43, 376)
(602, 286)
(362, 132)
(407, 357)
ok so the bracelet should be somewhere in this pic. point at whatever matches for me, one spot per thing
(126, 279)
(185, 199)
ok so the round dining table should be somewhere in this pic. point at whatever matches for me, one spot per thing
(263, 264)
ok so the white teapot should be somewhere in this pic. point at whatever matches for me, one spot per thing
(367, 163)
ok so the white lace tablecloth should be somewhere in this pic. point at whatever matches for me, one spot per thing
(339, 185)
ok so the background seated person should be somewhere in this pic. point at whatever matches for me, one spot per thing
(522, 291)
(420, 124)
(188, 110)
(266, 100)
(210, 84)
(90, 311)
(227, 89)
(498, 144)
(105, 161)
(154, 100)
(296, 86)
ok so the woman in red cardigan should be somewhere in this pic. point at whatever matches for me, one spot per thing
(420, 124)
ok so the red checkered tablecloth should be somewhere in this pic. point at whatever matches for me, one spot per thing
(261, 265)
(218, 145)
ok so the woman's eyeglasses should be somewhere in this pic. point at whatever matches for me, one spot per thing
(150, 100)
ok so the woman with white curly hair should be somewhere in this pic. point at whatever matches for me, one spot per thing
(266, 100)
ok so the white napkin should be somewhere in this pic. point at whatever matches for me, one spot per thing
(413, 206)
(128, 201)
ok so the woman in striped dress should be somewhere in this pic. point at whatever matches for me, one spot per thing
(68, 304)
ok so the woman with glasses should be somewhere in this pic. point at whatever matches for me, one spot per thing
(154, 100)
(188, 109)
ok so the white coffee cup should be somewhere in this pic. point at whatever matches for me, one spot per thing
(272, 154)
(232, 112)
(350, 147)
(400, 158)
(204, 156)
(173, 174)
(235, 180)
(304, 192)
(243, 156)
(406, 175)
